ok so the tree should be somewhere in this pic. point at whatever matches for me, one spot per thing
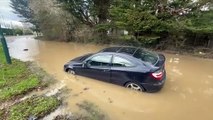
(93, 13)
(81, 9)
(23, 10)
(53, 22)
(137, 17)
(21, 7)
(90, 12)
(18, 31)
(159, 18)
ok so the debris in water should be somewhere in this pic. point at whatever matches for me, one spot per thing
(75, 95)
(110, 101)
(86, 89)
(26, 49)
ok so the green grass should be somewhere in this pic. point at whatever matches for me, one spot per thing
(10, 74)
(15, 79)
(20, 88)
(36, 106)
(2, 58)
(14, 70)
(18, 79)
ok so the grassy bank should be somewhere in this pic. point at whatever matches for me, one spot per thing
(34, 107)
(16, 81)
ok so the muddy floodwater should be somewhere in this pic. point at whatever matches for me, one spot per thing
(187, 94)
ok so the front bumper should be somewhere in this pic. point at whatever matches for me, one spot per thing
(65, 67)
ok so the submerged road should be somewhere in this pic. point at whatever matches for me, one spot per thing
(187, 94)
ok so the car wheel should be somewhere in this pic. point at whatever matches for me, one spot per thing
(134, 86)
(71, 71)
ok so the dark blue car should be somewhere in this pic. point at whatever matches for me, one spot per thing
(134, 68)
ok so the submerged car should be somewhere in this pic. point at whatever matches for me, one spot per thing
(132, 67)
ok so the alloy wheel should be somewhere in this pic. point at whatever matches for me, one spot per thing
(134, 86)
(70, 71)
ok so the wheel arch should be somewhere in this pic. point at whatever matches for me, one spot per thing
(67, 69)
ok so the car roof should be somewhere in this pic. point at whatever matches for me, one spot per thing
(122, 49)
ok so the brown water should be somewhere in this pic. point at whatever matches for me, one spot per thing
(187, 94)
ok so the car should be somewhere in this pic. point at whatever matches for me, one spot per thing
(133, 67)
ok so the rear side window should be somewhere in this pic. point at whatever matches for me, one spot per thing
(100, 61)
(121, 62)
(146, 56)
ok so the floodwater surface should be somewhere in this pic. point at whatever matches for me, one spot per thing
(187, 94)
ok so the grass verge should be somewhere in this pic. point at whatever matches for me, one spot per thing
(34, 107)
(19, 88)
(18, 79)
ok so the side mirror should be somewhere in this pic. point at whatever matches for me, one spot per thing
(84, 65)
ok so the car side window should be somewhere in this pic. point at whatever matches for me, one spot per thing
(100, 61)
(121, 62)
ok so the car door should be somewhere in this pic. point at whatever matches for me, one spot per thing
(121, 70)
(97, 67)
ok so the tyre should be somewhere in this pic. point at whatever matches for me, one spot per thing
(134, 86)
(71, 71)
